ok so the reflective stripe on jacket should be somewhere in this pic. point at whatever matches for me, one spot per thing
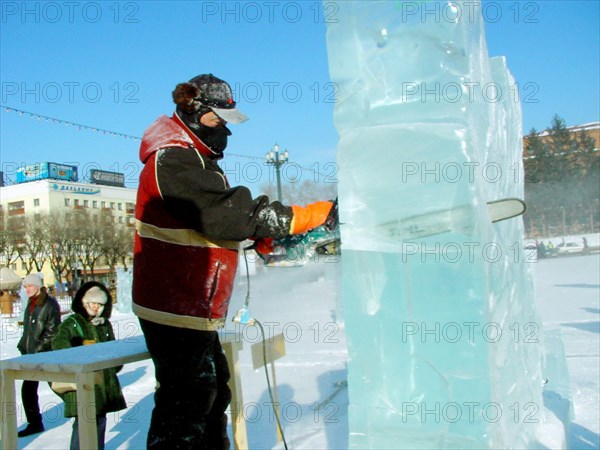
(189, 223)
(179, 279)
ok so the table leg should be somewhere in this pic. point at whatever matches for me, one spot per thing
(8, 410)
(86, 411)
(238, 423)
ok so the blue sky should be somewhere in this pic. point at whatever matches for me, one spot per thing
(112, 65)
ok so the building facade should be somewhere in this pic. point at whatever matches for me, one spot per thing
(74, 200)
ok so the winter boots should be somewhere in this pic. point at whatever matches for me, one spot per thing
(31, 428)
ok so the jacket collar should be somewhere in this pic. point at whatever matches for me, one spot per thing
(170, 132)
(40, 300)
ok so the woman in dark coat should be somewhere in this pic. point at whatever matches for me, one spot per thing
(92, 306)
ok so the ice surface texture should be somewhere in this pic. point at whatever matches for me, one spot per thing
(124, 287)
(442, 331)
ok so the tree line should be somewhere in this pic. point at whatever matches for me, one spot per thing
(562, 181)
(66, 241)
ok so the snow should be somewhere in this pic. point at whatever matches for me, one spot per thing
(303, 304)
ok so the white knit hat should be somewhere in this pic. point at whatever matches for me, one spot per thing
(33, 280)
(95, 295)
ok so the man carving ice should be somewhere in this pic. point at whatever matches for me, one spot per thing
(189, 223)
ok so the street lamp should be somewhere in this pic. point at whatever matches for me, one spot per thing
(277, 159)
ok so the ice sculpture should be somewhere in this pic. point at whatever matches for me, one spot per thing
(124, 283)
(442, 332)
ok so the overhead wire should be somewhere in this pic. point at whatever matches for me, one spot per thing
(80, 126)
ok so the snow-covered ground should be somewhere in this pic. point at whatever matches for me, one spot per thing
(302, 304)
(568, 297)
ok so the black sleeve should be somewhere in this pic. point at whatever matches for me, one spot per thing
(195, 191)
(51, 324)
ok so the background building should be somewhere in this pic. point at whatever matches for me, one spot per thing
(66, 229)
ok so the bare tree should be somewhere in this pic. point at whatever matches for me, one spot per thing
(90, 235)
(34, 248)
(117, 246)
(62, 245)
(9, 241)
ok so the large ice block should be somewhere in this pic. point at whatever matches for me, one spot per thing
(442, 330)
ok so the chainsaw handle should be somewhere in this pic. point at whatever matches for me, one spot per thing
(333, 217)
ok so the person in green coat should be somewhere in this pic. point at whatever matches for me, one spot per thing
(92, 306)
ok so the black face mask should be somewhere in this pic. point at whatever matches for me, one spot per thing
(213, 138)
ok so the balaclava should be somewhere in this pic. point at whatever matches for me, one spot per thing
(200, 95)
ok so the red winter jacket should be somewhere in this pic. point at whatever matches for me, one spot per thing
(189, 223)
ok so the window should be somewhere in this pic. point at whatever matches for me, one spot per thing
(120, 219)
(36, 202)
(23, 265)
(94, 203)
(76, 202)
(67, 201)
(112, 205)
(120, 206)
(103, 205)
(86, 203)
(13, 206)
(16, 208)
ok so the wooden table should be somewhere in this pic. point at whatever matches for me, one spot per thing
(81, 366)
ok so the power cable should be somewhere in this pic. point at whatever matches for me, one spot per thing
(243, 317)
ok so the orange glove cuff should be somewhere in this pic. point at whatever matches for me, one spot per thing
(309, 217)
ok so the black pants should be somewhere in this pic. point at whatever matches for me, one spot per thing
(100, 427)
(29, 396)
(192, 394)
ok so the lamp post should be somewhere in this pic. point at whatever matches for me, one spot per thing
(277, 159)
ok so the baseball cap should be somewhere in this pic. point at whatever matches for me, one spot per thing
(216, 94)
